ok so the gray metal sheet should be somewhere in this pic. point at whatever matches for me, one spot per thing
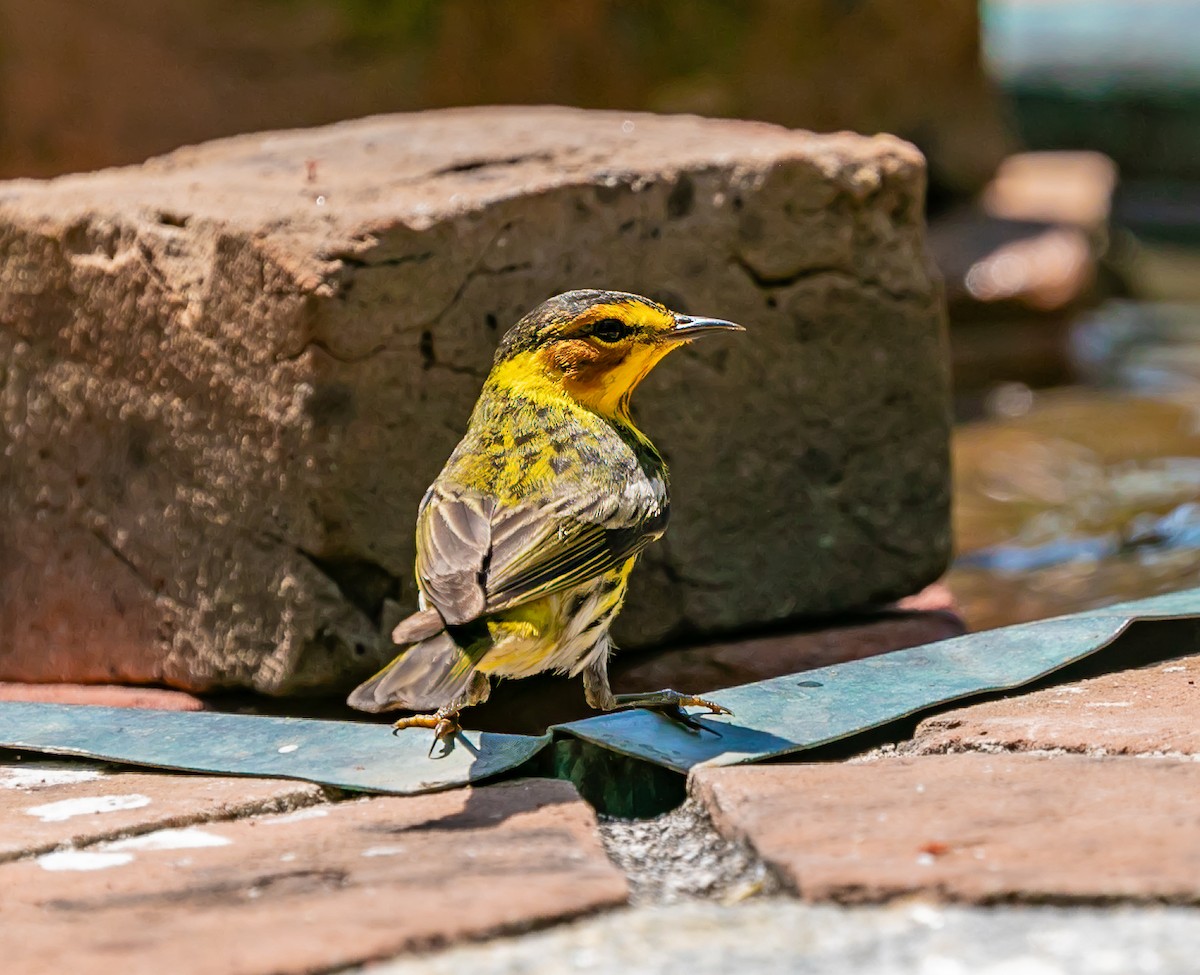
(345, 754)
(771, 718)
(802, 711)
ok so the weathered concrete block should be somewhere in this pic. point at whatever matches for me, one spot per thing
(228, 375)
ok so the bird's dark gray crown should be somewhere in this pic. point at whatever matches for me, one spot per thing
(532, 330)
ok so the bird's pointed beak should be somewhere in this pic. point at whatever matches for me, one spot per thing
(687, 327)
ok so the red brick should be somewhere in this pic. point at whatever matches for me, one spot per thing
(1152, 710)
(45, 805)
(102, 695)
(324, 888)
(970, 827)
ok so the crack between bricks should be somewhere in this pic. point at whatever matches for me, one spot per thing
(682, 856)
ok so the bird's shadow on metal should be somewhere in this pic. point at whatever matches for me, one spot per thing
(658, 738)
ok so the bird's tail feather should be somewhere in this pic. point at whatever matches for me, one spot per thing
(433, 671)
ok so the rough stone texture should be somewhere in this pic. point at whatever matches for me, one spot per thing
(1138, 712)
(781, 937)
(227, 376)
(970, 827)
(315, 890)
(82, 87)
(44, 805)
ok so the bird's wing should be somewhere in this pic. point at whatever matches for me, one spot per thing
(534, 555)
(475, 556)
(454, 539)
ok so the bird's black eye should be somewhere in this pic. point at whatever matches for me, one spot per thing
(610, 330)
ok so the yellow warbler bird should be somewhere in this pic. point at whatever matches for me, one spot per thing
(526, 539)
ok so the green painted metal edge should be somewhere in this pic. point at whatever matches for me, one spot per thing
(782, 716)
(345, 754)
(791, 714)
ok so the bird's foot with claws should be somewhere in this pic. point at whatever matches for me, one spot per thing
(444, 722)
(670, 704)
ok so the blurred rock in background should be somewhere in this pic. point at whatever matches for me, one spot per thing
(1106, 96)
(86, 85)
(1021, 262)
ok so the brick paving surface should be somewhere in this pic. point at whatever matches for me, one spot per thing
(44, 805)
(970, 827)
(1148, 711)
(314, 889)
(1077, 794)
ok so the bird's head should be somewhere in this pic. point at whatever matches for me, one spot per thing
(597, 345)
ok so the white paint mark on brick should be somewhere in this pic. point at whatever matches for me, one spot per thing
(189, 838)
(83, 860)
(44, 776)
(64, 809)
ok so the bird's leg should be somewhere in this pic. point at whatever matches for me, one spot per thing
(596, 690)
(670, 704)
(444, 721)
(666, 702)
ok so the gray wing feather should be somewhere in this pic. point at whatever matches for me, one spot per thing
(474, 557)
(453, 541)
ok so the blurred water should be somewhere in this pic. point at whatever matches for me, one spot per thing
(1090, 495)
